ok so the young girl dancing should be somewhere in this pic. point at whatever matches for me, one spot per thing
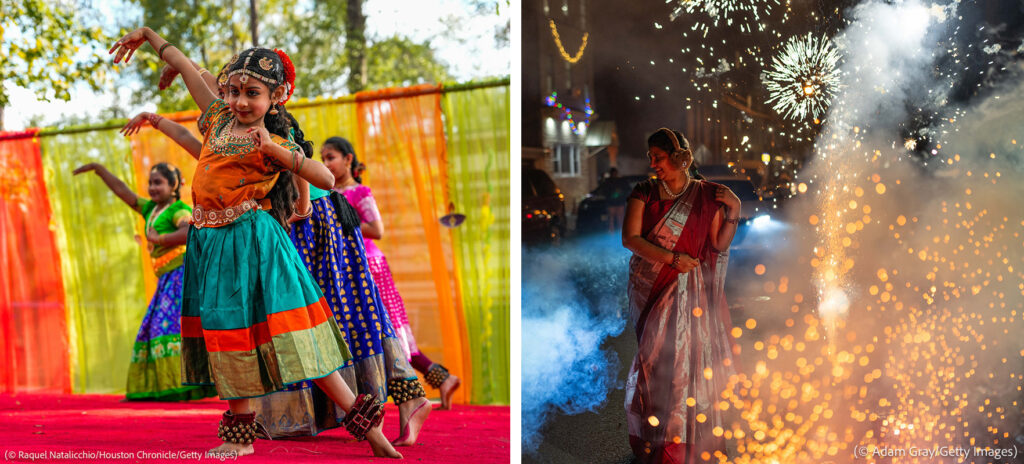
(340, 158)
(328, 239)
(253, 320)
(155, 369)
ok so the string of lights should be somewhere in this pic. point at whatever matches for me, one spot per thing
(561, 49)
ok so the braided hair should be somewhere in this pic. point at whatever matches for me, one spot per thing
(172, 174)
(274, 68)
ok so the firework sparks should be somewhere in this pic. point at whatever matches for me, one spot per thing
(803, 78)
(745, 14)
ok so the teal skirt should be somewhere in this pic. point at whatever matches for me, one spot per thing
(253, 320)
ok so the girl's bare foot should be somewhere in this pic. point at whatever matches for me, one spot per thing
(379, 444)
(449, 386)
(412, 415)
(231, 450)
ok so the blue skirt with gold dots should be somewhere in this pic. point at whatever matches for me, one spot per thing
(337, 262)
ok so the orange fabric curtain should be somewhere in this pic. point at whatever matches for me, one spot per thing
(149, 147)
(33, 328)
(403, 147)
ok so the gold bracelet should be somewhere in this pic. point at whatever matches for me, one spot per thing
(203, 70)
(308, 213)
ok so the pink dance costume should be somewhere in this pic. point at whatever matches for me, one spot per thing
(361, 197)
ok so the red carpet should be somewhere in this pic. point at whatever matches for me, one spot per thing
(102, 428)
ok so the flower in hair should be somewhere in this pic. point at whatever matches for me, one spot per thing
(289, 72)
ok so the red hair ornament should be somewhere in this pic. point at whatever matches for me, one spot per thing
(289, 73)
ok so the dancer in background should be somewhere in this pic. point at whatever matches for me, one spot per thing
(155, 370)
(340, 157)
(253, 319)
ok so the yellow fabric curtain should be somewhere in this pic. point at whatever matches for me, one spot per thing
(404, 151)
(477, 128)
(101, 256)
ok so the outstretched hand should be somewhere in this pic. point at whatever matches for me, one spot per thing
(85, 168)
(133, 126)
(167, 76)
(128, 44)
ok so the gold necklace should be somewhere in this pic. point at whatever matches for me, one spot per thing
(664, 185)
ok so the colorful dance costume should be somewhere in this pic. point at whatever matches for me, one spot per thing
(333, 253)
(155, 371)
(253, 320)
(361, 198)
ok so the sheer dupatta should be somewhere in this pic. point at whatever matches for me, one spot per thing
(684, 357)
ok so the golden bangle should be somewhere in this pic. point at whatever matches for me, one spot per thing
(203, 70)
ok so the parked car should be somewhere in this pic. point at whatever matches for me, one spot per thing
(592, 213)
(543, 208)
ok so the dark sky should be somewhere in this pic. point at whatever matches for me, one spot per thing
(624, 42)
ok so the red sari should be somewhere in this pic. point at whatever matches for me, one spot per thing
(685, 353)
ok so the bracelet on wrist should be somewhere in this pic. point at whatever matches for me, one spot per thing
(160, 52)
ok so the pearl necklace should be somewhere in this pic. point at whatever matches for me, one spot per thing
(664, 186)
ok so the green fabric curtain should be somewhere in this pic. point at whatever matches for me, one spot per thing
(477, 130)
(96, 235)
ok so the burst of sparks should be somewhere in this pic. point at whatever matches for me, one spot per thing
(745, 14)
(803, 78)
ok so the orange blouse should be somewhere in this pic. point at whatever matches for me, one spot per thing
(231, 169)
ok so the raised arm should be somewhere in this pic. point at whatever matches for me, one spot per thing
(168, 74)
(177, 132)
(126, 47)
(113, 183)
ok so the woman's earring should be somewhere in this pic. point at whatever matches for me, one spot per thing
(273, 109)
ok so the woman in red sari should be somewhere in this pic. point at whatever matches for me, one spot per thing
(679, 229)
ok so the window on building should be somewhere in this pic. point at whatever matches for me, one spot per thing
(565, 159)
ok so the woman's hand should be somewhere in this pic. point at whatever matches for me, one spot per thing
(685, 263)
(86, 168)
(133, 126)
(729, 199)
(167, 76)
(261, 138)
(128, 44)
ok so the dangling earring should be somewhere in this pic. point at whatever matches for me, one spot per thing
(273, 109)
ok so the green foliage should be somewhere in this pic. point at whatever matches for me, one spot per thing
(44, 48)
(399, 61)
(209, 32)
(312, 32)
